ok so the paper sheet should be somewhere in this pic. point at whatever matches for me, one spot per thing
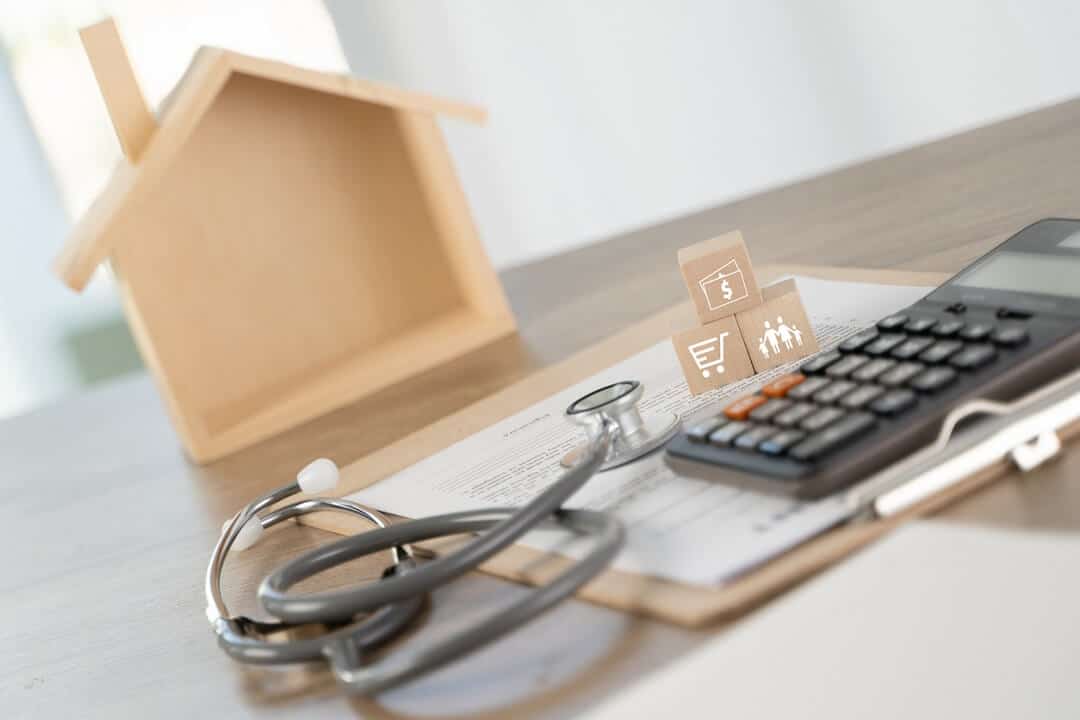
(936, 620)
(678, 528)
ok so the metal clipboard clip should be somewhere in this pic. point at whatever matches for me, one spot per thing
(1025, 431)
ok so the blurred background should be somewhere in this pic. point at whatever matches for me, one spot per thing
(604, 116)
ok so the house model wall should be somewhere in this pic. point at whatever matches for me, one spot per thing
(286, 241)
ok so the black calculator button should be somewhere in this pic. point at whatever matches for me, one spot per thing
(726, 434)
(976, 331)
(957, 308)
(947, 328)
(794, 414)
(780, 442)
(911, 347)
(1009, 336)
(940, 351)
(765, 413)
(807, 387)
(933, 379)
(893, 402)
(860, 396)
(900, 374)
(833, 436)
(821, 418)
(1012, 314)
(893, 322)
(872, 369)
(833, 392)
(753, 437)
(973, 357)
(700, 432)
(920, 324)
(819, 362)
(884, 344)
(844, 367)
(857, 340)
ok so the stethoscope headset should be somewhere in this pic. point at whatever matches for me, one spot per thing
(355, 622)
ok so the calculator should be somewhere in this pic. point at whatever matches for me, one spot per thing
(1003, 326)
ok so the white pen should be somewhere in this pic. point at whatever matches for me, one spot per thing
(1024, 430)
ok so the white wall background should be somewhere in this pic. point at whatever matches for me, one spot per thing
(36, 313)
(611, 114)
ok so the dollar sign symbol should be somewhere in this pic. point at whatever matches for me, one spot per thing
(726, 289)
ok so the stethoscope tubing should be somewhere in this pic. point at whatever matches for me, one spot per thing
(367, 635)
(363, 678)
(235, 633)
(340, 605)
(350, 663)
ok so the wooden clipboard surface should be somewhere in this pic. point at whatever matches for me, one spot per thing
(688, 605)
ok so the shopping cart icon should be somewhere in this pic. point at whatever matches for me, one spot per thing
(708, 354)
(724, 285)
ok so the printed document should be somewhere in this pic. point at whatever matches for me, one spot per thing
(678, 528)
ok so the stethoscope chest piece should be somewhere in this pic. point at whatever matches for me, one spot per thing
(618, 404)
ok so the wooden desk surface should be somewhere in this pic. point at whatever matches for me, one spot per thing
(107, 526)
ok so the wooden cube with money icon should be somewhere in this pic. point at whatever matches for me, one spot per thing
(777, 331)
(712, 355)
(719, 276)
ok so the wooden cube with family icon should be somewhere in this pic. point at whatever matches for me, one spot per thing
(777, 331)
(744, 329)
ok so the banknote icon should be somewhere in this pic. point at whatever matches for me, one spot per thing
(724, 286)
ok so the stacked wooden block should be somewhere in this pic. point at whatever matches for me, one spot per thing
(745, 329)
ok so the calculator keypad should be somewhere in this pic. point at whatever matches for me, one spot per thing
(833, 392)
(884, 344)
(830, 438)
(779, 443)
(947, 328)
(893, 402)
(845, 366)
(726, 433)
(933, 379)
(901, 374)
(976, 331)
(820, 418)
(973, 356)
(940, 351)
(769, 409)
(840, 396)
(911, 347)
(870, 371)
(859, 397)
(795, 414)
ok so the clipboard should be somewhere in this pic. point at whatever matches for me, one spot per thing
(670, 601)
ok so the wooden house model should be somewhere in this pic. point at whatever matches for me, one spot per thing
(285, 241)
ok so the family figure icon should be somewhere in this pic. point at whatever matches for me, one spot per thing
(789, 337)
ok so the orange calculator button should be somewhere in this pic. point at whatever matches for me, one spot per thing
(740, 409)
(780, 386)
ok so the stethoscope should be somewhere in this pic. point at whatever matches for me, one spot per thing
(356, 621)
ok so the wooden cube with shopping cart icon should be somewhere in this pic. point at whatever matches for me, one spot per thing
(719, 277)
(712, 355)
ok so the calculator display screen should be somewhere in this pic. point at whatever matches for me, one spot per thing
(1025, 272)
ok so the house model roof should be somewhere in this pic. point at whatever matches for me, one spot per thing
(150, 144)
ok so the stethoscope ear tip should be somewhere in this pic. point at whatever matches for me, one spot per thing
(248, 535)
(318, 476)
